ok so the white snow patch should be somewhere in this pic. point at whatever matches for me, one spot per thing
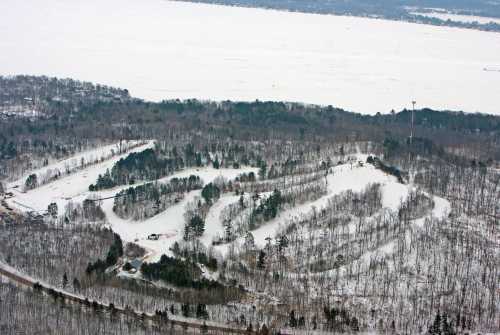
(71, 187)
(163, 49)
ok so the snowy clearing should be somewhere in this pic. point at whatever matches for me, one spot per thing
(72, 187)
(72, 164)
(161, 49)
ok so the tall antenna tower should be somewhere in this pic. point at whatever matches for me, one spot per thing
(410, 172)
(122, 135)
(412, 120)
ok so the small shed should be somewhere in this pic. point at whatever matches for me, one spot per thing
(154, 237)
(136, 263)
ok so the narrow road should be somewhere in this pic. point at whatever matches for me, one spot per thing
(20, 279)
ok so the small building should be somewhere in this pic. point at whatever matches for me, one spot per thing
(154, 237)
(135, 265)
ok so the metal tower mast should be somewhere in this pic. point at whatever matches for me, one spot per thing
(412, 120)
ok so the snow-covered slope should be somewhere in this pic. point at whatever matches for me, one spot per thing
(73, 186)
(170, 223)
(345, 177)
(79, 161)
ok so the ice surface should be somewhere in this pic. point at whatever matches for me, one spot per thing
(161, 49)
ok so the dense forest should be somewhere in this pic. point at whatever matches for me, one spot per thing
(264, 217)
(69, 126)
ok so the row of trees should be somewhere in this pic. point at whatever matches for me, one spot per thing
(138, 166)
(250, 212)
(70, 166)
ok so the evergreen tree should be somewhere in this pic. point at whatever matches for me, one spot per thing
(210, 192)
(197, 225)
(292, 319)
(201, 311)
(435, 328)
(262, 170)
(216, 163)
(354, 324)
(52, 209)
(186, 310)
(65, 280)
(76, 284)
(447, 327)
(261, 263)
(199, 162)
(31, 182)
(282, 243)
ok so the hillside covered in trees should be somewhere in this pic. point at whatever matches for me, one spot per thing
(252, 217)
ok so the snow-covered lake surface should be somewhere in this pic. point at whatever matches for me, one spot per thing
(161, 49)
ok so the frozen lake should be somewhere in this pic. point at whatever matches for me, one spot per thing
(161, 49)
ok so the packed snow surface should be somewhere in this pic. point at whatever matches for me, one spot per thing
(162, 49)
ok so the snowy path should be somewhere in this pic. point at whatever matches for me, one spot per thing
(170, 223)
(74, 188)
(213, 224)
(66, 188)
(71, 164)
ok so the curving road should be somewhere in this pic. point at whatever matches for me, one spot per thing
(25, 280)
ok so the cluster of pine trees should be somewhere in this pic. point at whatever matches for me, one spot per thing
(114, 253)
(181, 273)
(138, 166)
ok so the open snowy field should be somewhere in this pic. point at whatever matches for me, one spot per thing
(162, 49)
